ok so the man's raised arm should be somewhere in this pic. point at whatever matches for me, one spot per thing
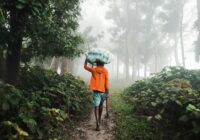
(87, 67)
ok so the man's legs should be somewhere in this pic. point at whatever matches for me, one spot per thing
(96, 102)
(98, 99)
(96, 112)
(107, 108)
(100, 111)
(103, 97)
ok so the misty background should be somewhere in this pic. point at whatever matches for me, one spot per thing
(144, 35)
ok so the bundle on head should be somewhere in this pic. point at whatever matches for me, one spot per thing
(102, 55)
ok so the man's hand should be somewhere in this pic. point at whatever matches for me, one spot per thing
(107, 93)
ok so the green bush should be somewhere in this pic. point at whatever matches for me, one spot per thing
(66, 91)
(39, 105)
(129, 126)
(171, 102)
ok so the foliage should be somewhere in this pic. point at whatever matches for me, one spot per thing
(41, 102)
(170, 101)
(37, 28)
(129, 126)
(49, 29)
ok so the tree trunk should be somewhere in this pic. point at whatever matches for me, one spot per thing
(64, 65)
(181, 35)
(71, 66)
(170, 60)
(145, 70)
(133, 68)
(117, 66)
(138, 73)
(55, 63)
(127, 41)
(175, 51)
(156, 59)
(127, 61)
(197, 47)
(40, 62)
(14, 47)
(2, 65)
(198, 11)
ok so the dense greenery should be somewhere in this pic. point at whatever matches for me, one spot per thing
(37, 103)
(40, 104)
(36, 28)
(170, 100)
(129, 126)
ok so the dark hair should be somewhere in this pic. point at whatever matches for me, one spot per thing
(99, 63)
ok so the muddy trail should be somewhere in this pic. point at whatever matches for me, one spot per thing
(86, 130)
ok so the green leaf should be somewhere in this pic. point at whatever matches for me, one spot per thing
(23, 1)
(158, 117)
(178, 102)
(192, 108)
(63, 114)
(149, 118)
(21, 132)
(20, 6)
(153, 104)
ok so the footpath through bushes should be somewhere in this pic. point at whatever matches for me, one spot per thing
(40, 104)
(170, 101)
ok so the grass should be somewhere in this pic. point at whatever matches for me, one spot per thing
(128, 125)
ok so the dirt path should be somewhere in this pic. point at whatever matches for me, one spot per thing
(88, 128)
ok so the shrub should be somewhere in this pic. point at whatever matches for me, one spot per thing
(40, 103)
(170, 100)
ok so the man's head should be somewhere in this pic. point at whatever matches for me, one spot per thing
(99, 63)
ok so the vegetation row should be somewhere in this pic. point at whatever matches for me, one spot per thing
(40, 104)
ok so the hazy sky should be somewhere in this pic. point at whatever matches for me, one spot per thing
(93, 13)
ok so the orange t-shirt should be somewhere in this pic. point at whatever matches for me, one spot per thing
(99, 80)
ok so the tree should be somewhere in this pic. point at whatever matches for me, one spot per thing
(48, 25)
(173, 9)
(181, 32)
(197, 25)
(134, 29)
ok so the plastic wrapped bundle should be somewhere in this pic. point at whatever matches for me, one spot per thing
(99, 54)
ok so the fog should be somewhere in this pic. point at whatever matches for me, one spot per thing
(143, 35)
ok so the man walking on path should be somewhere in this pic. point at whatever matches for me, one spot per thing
(99, 83)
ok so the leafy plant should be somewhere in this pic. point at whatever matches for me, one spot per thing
(170, 100)
(40, 104)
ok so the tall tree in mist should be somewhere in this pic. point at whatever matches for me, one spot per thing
(138, 34)
(123, 35)
(181, 31)
(197, 25)
(145, 30)
(171, 10)
(116, 31)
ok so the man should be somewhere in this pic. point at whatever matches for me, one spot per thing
(99, 83)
